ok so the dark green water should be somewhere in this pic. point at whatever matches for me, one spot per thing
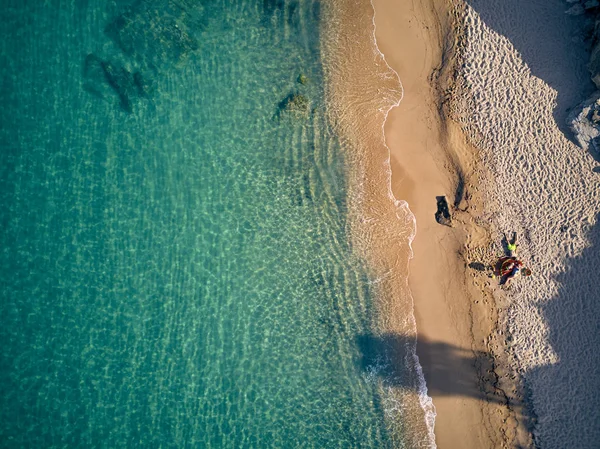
(175, 269)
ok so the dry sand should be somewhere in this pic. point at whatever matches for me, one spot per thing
(523, 64)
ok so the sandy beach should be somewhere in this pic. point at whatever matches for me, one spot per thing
(221, 224)
(419, 156)
(524, 68)
(484, 106)
(454, 319)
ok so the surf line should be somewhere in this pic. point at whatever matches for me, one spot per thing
(425, 400)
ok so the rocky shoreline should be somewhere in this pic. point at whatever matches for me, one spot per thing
(584, 120)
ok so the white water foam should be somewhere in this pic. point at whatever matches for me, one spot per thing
(425, 400)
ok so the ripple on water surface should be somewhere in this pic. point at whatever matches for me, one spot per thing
(175, 266)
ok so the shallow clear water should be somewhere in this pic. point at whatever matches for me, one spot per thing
(175, 269)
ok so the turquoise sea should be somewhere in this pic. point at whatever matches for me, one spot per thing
(175, 268)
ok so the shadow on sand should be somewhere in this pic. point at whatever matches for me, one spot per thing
(544, 37)
(388, 356)
(565, 395)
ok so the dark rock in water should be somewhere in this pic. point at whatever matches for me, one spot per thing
(293, 14)
(442, 216)
(121, 80)
(92, 67)
(302, 79)
(270, 7)
(95, 79)
(294, 102)
(106, 79)
(144, 85)
(154, 33)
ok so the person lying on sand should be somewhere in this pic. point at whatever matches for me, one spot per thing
(509, 267)
(512, 268)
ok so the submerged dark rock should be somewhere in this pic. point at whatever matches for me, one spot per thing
(144, 85)
(95, 78)
(154, 33)
(270, 7)
(121, 80)
(442, 216)
(294, 102)
(107, 79)
(151, 36)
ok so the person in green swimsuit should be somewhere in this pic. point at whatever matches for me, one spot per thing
(511, 245)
